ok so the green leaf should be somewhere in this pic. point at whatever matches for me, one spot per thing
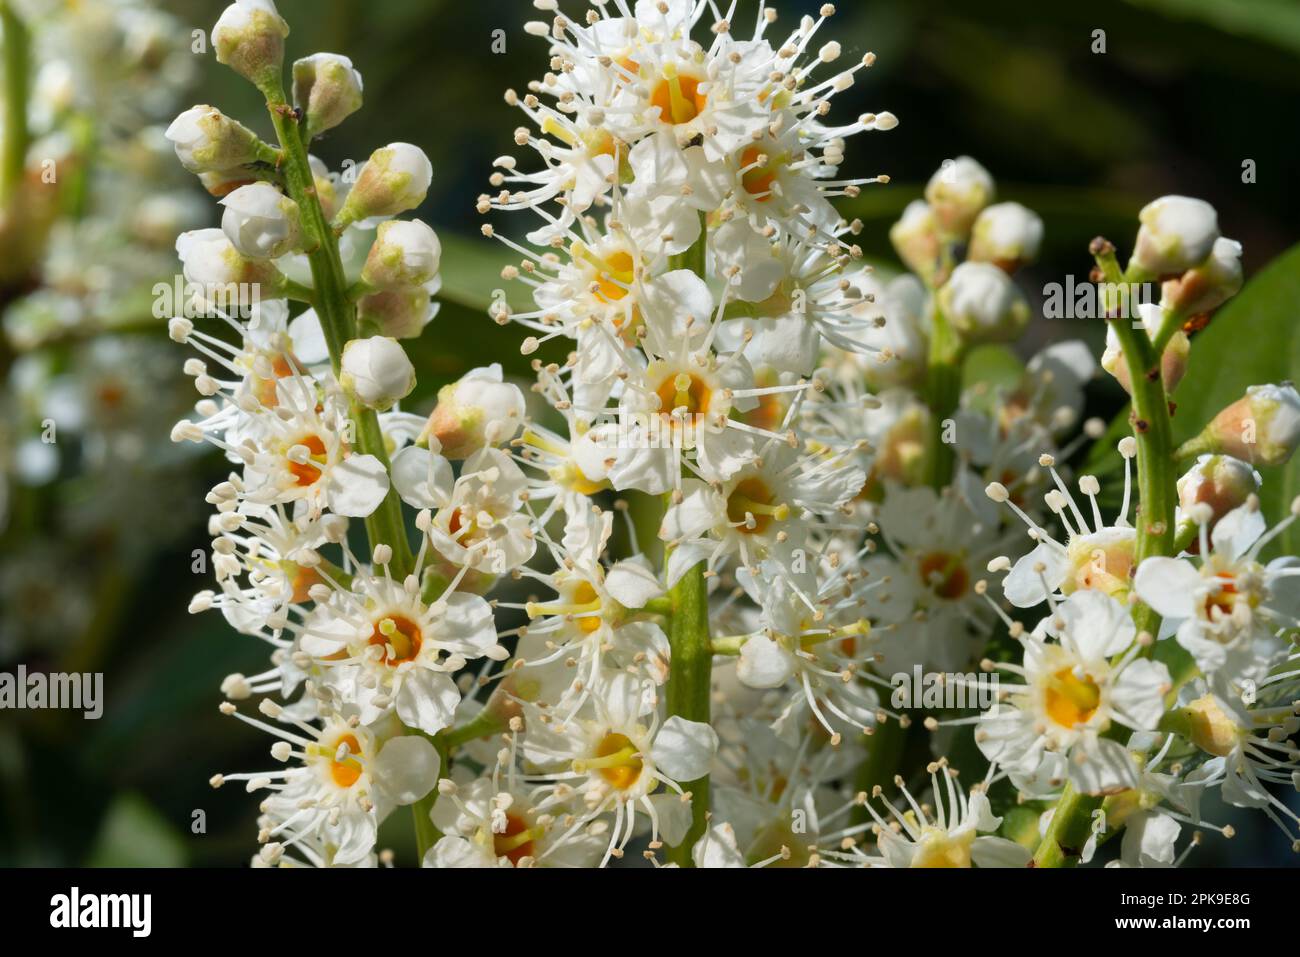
(134, 834)
(1272, 21)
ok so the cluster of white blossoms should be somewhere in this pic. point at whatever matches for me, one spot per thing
(661, 605)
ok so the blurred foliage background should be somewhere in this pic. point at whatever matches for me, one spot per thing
(1185, 92)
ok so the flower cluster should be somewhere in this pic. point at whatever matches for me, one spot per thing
(663, 603)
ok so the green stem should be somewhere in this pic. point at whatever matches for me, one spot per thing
(689, 681)
(17, 79)
(338, 319)
(943, 380)
(1069, 830)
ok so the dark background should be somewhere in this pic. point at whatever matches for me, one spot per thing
(1186, 91)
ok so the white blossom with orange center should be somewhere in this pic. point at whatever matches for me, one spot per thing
(1072, 691)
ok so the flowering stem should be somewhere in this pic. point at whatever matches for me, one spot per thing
(16, 55)
(689, 680)
(1068, 832)
(944, 387)
(338, 318)
(1157, 491)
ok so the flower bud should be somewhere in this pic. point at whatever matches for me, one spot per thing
(916, 240)
(1209, 285)
(223, 182)
(1007, 235)
(1210, 727)
(957, 192)
(1173, 363)
(1176, 234)
(327, 90)
(376, 371)
(983, 304)
(1219, 481)
(326, 186)
(479, 410)
(211, 261)
(405, 253)
(1262, 428)
(401, 313)
(206, 140)
(395, 178)
(261, 222)
(249, 38)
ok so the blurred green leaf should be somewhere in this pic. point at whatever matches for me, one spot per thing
(134, 834)
(471, 272)
(1273, 21)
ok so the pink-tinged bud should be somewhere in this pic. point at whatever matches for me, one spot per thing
(327, 89)
(478, 411)
(1007, 235)
(1177, 234)
(1173, 363)
(377, 372)
(400, 313)
(206, 140)
(916, 240)
(405, 253)
(249, 38)
(983, 304)
(223, 182)
(1218, 481)
(395, 178)
(1210, 727)
(957, 192)
(1209, 285)
(1262, 428)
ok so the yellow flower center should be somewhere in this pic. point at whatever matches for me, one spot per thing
(1071, 700)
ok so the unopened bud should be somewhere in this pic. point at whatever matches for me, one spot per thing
(212, 262)
(327, 89)
(1220, 482)
(1007, 235)
(479, 410)
(1262, 428)
(1210, 727)
(983, 304)
(207, 140)
(957, 192)
(1176, 234)
(1173, 361)
(261, 222)
(916, 240)
(249, 38)
(395, 178)
(1209, 285)
(377, 371)
(405, 253)
(400, 313)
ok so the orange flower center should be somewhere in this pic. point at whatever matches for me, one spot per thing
(402, 634)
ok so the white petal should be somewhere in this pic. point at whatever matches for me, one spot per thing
(684, 749)
(764, 663)
(357, 485)
(422, 478)
(406, 768)
(1168, 585)
(632, 583)
(427, 700)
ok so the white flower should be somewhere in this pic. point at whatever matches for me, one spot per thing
(377, 371)
(1072, 691)
(1227, 612)
(224, 277)
(481, 526)
(260, 221)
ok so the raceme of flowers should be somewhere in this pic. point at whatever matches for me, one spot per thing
(658, 605)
